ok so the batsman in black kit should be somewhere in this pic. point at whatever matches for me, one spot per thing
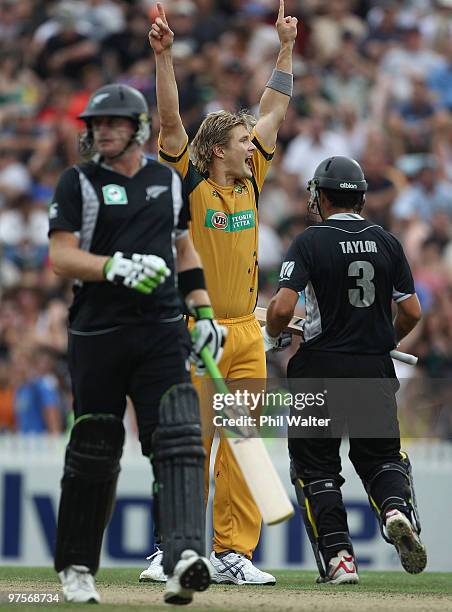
(350, 270)
(114, 223)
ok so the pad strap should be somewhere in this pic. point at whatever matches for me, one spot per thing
(389, 487)
(316, 499)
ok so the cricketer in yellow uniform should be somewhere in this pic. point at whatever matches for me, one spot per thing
(224, 229)
(228, 165)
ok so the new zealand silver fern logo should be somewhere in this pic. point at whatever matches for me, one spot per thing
(155, 191)
(286, 270)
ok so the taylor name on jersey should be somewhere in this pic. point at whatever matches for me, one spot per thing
(359, 246)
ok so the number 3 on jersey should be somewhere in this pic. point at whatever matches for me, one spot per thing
(364, 295)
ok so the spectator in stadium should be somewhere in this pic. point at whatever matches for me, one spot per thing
(430, 273)
(23, 233)
(436, 24)
(102, 17)
(19, 86)
(329, 28)
(67, 52)
(346, 80)
(36, 400)
(356, 129)
(51, 327)
(120, 50)
(33, 142)
(7, 414)
(306, 150)
(434, 344)
(183, 14)
(310, 91)
(400, 63)
(381, 188)
(230, 87)
(15, 179)
(427, 194)
(211, 22)
(385, 33)
(440, 79)
(414, 123)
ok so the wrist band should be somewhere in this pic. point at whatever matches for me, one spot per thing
(202, 312)
(107, 264)
(190, 280)
(281, 81)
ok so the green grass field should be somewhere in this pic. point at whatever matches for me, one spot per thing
(295, 590)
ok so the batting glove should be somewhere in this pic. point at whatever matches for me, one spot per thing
(140, 272)
(206, 332)
(278, 343)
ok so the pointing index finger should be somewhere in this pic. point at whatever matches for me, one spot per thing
(161, 12)
(281, 10)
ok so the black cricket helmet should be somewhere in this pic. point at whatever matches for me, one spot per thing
(118, 100)
(339, 174)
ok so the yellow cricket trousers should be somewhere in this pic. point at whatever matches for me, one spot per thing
(236, 519)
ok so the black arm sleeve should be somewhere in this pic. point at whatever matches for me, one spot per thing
(65, 211)
(184, 215)
(296, 268)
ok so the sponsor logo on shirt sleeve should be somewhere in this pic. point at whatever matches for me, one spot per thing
(53, 210)
(286, 270)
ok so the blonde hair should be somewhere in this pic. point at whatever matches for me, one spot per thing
(215, 131)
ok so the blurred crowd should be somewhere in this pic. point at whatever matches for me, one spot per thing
(373, 80)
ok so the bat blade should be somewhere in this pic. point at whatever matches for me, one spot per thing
(262, 479)
(254, 461)
(295, 326)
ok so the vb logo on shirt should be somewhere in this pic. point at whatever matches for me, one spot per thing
(236, 222)
(114, 194)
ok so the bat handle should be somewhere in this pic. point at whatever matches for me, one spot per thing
(213, 371)
(405, 357)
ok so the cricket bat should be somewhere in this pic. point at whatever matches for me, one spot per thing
(296, 327)
(254, 461)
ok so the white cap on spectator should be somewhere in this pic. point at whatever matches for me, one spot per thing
(186, 8)
(181, 50)
(15, 178)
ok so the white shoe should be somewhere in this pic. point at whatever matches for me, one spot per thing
(235, 568)
(154, 573)
(78, 585)
(342, 569)
(405, 538)
(192, 573)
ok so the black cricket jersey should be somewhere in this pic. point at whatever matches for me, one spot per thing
(112, 212)
(350, 270)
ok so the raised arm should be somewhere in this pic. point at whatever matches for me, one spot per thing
(172, 132)
(276, 97)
